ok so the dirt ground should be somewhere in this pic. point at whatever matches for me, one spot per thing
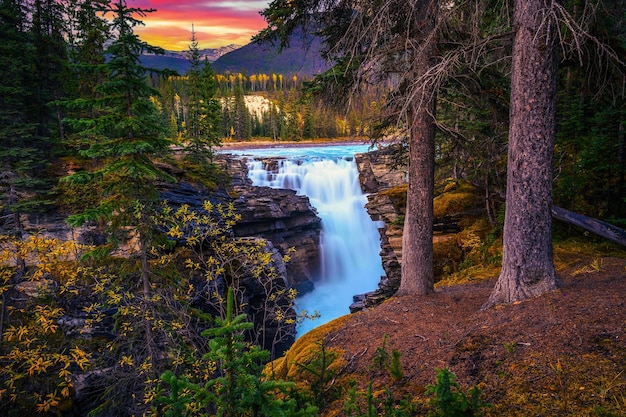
(563, 353)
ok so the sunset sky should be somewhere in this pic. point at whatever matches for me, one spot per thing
(216, 22)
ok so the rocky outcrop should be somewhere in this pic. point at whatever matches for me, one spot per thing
(457, 229)
(377, 172)
(376, 177)
(287, 222)
(282, 217)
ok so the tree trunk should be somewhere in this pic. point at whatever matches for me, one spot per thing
(417, 239)
(527, 267)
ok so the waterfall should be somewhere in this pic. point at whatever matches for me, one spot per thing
(349, 240)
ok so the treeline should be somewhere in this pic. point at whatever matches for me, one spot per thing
(271, 106)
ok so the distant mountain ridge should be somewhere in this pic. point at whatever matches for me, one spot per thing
(302, 58)
(177, 60)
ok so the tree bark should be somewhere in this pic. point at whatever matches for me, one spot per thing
(527, 266)
(417, 239)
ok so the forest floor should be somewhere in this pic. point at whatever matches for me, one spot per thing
(561, 354)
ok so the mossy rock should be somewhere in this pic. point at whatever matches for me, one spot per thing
(446, 256)
(458, 197)
(397, 195)
(303, 351)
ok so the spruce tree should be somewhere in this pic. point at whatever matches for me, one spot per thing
(127, 137)
(123, 125)
(21, 150)
(203, 109)
(88, 33)
(50, 76)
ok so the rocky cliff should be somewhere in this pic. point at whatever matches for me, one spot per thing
(459, 220)
(379, 180)
(282, 217)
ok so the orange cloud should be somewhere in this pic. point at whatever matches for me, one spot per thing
(216, 22)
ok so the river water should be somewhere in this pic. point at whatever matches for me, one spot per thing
(350, 243)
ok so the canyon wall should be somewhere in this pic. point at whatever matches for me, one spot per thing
(379, 180)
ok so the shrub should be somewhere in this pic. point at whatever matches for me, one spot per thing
(450, 401)
(237, 387)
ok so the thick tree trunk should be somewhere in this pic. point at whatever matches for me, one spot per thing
(527, 267)
(417, 238)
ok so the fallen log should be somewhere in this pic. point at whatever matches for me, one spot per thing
(599, 227)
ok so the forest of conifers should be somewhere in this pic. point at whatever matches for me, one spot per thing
(85, 128)
(285, 114)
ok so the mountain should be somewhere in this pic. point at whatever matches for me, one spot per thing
(177, 60)
(302, 58)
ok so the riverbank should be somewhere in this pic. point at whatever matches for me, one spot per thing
(264, 144)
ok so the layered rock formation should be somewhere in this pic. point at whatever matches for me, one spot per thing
(282, 217)
(377, 177)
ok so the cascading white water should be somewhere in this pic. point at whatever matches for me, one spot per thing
(350, 244)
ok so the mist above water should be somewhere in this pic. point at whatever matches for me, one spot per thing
(349, 240)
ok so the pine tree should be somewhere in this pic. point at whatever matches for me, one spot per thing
(21, 149)
(527, 266)
(127, 136)
(203, 109)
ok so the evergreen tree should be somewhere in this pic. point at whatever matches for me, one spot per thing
(591, 139)
(21, 149)
(242, 121)
(292, 117)
(123, 124)
(51, 71)
(202, 126)
(308, 123)
(171, 105)
(126, 137)
(527, 267)
(88, 34)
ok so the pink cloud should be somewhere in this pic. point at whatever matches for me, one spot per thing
(217, 22)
